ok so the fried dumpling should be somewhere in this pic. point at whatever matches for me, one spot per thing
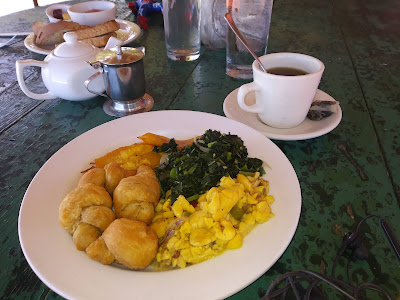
(135, 197)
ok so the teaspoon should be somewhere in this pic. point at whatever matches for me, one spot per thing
(232, 25)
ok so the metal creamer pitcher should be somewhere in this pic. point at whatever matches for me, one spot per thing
(123, 74)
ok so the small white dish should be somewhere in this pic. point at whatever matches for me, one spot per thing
(127, 33)
(307, 130)
(51, 8)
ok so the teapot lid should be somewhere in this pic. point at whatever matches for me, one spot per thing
(120, 55)
(72, 47)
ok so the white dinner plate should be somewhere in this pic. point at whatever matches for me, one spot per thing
(307, 130)
(127, 32)
(52, 255)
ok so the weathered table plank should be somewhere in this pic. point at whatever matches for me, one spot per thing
(372, 32)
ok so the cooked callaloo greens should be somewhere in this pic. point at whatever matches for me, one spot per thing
(197, 168)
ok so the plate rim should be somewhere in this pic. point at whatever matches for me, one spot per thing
(282, 136)
(232, 290)
(28, 41)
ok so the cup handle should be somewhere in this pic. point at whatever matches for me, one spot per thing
(243, 91)
(20, 65)
(87, 82)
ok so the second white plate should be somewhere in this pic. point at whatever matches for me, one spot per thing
(307, 130)
(128, 32)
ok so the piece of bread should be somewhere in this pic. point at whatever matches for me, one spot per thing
(98, 251)
(132, 243)
(96, 176)
(107, 177)
(99, 41)
(114, 174)
(37, 26)
(85, 213)
(98, 30)
(52, 33)
(135, 197)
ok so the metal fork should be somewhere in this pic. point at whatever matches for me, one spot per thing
(4, 44)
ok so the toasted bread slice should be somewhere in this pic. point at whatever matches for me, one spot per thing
(99, 41)
(37, 26)
(52, 33)
(98, 30)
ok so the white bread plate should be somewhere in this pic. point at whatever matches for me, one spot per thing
(127, 33)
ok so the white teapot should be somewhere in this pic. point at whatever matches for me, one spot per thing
(64, 71)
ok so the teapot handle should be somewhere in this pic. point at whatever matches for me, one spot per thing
(20, 65)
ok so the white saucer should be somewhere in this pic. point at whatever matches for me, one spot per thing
(127, 32)
(306, 130)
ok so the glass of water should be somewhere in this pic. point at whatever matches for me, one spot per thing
(213, 26)
(252, 17)
(182, 29)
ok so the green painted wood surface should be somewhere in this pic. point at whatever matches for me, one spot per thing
(352, 171)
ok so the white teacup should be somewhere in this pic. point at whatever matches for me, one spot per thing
(282, 101)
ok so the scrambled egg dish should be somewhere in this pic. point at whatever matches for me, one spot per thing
(190, 234)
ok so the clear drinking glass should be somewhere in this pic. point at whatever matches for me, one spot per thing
(252, 17)
(213, 25)
(182, 29)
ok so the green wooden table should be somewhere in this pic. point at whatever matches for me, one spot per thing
(345, 175)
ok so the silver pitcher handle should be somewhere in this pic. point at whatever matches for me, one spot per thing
(87, 81)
